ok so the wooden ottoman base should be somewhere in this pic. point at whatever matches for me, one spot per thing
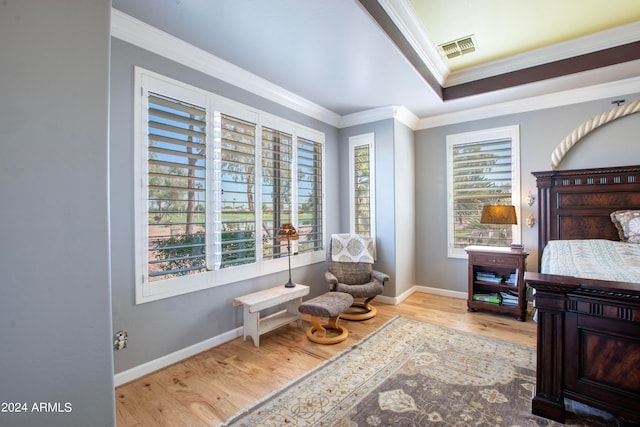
(361, 310)
(319, 333)
(329, 305)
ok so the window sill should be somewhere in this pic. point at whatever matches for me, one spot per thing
(154, 291)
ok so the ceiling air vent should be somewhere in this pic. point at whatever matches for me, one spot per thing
(458, 47)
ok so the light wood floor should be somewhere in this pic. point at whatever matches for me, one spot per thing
(212, 386)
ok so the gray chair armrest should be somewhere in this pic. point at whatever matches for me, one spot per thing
(331, 279)
(379, 276)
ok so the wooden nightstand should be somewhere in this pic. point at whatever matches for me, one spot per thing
(496, 280)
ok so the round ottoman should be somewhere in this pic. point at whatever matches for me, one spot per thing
(330, 305)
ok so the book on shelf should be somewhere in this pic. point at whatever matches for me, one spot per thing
(488, 277)
(509, 298)
(492, 298)
(485, 274)
(495, 281)
(513, 279)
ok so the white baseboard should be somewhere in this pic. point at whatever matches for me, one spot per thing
(425, 289)
(396, 300)
(164, 361)
(443, 292)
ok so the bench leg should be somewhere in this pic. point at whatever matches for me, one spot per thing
(251, 325)
(293, 308)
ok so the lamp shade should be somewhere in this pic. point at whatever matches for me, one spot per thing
(287, 232)
(499, 214)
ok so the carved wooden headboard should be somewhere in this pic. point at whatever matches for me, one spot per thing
(576, 204)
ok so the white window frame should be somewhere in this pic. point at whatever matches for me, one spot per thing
(507, 132)
(146, 291)
(356, 141)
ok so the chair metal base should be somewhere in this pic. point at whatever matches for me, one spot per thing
(318, 332)
(360, 310)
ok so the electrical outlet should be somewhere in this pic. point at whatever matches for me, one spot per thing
(120, 341)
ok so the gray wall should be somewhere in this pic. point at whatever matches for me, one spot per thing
(540, 132)
(405, 208)
(162, 327)
(55, 312)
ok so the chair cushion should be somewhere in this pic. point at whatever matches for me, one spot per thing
(330, 304)
(351, 272)
(366, 290)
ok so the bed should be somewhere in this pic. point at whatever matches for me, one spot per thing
(588, 344)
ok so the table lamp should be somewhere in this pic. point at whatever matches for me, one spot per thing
(500, 215)
(288, 232)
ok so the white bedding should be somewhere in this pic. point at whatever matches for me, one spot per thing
(593, 259)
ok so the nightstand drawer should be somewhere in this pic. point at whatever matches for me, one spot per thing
(495, 260)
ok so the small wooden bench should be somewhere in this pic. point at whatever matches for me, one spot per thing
(254, 325)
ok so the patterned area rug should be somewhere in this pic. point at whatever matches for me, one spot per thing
(411, 373)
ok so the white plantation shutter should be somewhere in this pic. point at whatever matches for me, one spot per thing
(362, 185)
(277, 159)
(482, 171)
(362, 190)
(176, 187)
(237, 177)
(309, 195)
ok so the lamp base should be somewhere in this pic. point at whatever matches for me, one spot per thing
(289, 284)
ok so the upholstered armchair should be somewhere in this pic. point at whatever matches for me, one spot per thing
(351, 271)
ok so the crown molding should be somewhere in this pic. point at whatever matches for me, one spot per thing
(527, 104)
(145, 36)
(541, 102)
(397, 112)
(403, 16)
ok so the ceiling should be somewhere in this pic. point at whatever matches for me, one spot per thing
(503, 28)
(350, 56)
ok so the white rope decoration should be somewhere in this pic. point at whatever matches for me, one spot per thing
(581, 131)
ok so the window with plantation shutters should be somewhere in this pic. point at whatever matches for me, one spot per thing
(277, 163)
(214, 183)
(236, 243)
(362, 190)
(309, 195)
(483, 169)
(176, 186)
(362, 185)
